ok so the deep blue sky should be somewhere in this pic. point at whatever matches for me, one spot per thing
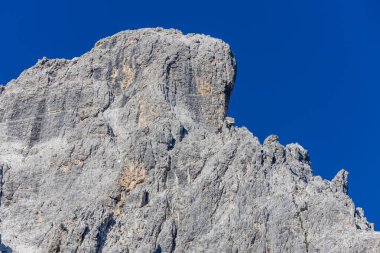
(308, 71)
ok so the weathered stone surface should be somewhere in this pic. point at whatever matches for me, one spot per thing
(125, 149)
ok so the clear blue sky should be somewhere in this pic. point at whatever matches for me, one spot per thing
(308, 71)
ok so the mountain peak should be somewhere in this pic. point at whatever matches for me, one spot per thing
(127, 149)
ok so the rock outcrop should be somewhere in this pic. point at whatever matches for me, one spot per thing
(126, 149)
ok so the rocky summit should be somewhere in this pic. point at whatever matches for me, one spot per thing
(127, 148)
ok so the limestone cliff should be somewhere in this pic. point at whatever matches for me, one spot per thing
(126, 149)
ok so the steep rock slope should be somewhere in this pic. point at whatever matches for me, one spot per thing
(126, 149)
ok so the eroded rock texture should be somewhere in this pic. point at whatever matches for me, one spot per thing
(125, 149)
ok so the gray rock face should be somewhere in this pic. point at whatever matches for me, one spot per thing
(126, 149)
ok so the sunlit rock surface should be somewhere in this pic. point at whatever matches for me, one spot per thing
(126, 149)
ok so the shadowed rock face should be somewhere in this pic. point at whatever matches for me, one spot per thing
(125, 149)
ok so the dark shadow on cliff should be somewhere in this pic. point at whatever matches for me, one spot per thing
(158, 250)
(5, 249)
